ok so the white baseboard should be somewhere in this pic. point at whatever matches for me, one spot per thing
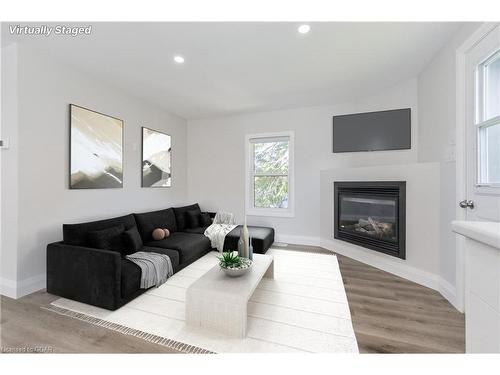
(298, 240)
(430, 280)
(392, 266)
(427, 279)
(8, 288)
(389, 265)
(449, 292)
(31, 284)
(14, 289)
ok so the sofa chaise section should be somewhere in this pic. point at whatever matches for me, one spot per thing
(262, 238)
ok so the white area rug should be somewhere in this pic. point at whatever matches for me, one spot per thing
(303, 309)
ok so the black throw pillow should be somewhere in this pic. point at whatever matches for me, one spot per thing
(205, 219)
(181, 216)
(133, 240)
(193, 219)
(108, 239)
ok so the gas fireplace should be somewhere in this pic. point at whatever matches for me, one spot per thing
(372, 215)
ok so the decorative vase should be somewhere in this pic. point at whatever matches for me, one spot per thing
(241, 245)
(250, 249)
(245, 239)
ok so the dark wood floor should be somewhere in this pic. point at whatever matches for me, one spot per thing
(393, 315)
(389, 314)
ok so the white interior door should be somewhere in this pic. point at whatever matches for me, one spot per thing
(482, 201)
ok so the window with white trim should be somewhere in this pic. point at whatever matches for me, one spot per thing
(270, 174)
(488, 120)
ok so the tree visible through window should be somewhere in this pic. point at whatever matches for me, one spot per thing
(270, 172)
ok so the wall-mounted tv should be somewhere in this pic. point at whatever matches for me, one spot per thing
(372, 131)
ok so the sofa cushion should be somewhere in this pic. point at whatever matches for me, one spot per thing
(76, 234)
(172, 254)
(108, 239)
(193, 219)
(180, 215)
(189, 245)
(197, 230)
(149, 221)
(133, 240)
(131, 272)
(205, 219)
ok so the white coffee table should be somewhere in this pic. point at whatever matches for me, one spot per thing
(219, 302)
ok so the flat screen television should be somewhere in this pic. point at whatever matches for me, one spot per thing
(372, 131)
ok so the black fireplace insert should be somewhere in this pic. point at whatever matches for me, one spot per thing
(372, 215)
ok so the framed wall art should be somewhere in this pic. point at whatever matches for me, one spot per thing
(156, 158)
(96, 150)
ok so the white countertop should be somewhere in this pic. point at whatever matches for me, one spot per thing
(487, 232)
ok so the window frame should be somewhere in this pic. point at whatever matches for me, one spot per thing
(250, 208)
(481, 125)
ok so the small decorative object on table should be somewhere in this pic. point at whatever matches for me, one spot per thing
(234, 265)
(250, 249)
(245, 238)
(243, 242)
(241, 245)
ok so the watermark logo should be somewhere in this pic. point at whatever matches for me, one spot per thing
(46, 30)
(26, 349)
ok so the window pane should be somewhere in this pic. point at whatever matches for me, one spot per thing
(271, 157)
(492, 154)
(492, 88)
(271, 192)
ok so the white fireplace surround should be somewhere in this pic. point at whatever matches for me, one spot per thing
(423, 222)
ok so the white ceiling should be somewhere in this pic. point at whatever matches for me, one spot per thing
(244, 67)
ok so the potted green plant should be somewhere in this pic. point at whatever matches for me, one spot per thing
(234, 265)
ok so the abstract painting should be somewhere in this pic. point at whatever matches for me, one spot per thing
(156, 159)
(96, 150)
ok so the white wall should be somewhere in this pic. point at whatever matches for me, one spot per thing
(436, 141)
(436, 99)
(45, 90)
(216, 166)
(8, 171)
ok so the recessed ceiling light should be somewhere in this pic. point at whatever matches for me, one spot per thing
(179, 59)
(304, 29)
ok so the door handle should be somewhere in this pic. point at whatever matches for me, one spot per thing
(467, 204)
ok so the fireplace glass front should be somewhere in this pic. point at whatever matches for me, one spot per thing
(371, 215)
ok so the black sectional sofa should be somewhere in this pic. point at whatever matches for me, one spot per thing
(89, 264)
(103, 277)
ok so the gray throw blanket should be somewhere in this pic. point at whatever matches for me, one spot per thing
(156, 268)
